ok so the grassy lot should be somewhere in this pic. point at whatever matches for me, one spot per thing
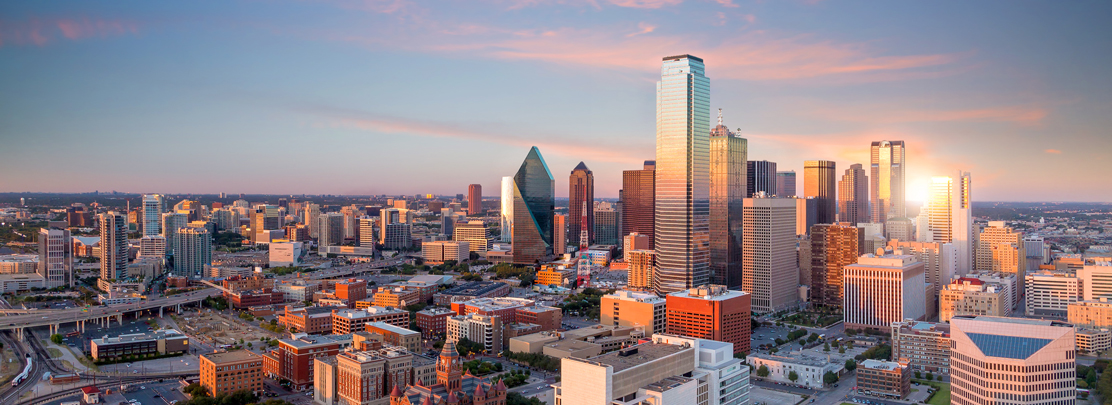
(940, 397)
(54, 353)
(9, 366)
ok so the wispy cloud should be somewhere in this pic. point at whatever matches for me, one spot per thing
(1053, 151)
(727, 3)
(895, 113)
(39, 32)
(644, 28)
(645, 3)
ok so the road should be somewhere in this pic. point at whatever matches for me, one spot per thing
(13, 322)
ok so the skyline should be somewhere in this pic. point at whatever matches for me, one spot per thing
(172, 90)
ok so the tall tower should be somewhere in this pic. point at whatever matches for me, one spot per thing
(449, 370)
(818, 182)
(474, 199)
(853, 196)
(887, 183)
(507, 212)
(152, 215)
(196, 252)
(55, 257)
(683, 177)
(770, 270)
(785, 183)
(949, 216)
(638, 201)
(728, 153)
(761, 175)
(172, 223)
(581, 189)
(534, 203)
(113, 245)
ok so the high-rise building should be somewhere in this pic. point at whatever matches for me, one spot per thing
(351, 221)
(312, 212)
(833, 247)
(475, 234)
(881, 290)
(606, 225)
(761, 176)
(641, 263)
(1091, 314)
(711, 312)
(265, 218)
(853, 196)
(728, 153)
(55, 257)
(1012, 360)
(899, 229)
(113, 245)
(770, 270)
(991, 256)
(818, 182)
(534, 202)
(926, 345)
(949, 216)
(806, 210)
(1096, 281)
(967, 296)
(682, 226)
(367, 234)
(1050, 293)
(152, 215)
(643, 310)
(507, 211)
(1035, 246)
(227, 372)
(172, 223)
(331, 229)
(152, 246)
(474, 199)
(581, 195)
(785, 183)
(887, 186)
(638, 201)
(559, 234)
(940, 259)
(196, 252)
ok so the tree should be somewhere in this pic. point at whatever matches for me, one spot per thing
(56, 338)
(930, 376)
(1091, 377)
(826, 347)
(762, 371)
(851, 365)
(793, 376)
(918, 374)
(841, 350)
(195, 390)
(829, 378)
(813, 337)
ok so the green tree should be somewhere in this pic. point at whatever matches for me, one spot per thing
(1091, 377)
(829, 378)
(852, 365)
(762, 371)
(195, 390)
(930, 376)
(826, 347)
(56, 338)
(793, 376)
(918, 374)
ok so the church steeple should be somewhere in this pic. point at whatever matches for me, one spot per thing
(449, 370)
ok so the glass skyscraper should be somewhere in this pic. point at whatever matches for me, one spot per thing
(508, 208)
(728, 154)
(887, 181)
(152, 215)
(682, 220)
(534, 202)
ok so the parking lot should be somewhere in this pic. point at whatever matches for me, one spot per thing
(766, 335)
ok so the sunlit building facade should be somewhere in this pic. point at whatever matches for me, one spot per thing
(833, 247)
(769, 261)
(152, 215)
(507, 212)
(728, 153)
(761, 176)
(819, 183)
(581, 198)
(113, 245)
(881, 290)
(638, 201)
(853, 196)
(887, 186)
(682, 226)
(1012, 361)
(534, 202)
(950, 216)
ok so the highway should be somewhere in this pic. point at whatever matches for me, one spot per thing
(16, 322)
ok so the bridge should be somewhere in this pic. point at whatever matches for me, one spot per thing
(101, 314)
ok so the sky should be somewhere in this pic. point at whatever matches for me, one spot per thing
(413, 97)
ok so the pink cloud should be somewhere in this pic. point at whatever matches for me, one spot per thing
(42, 32)
(645, 3)
(85, 28)
(727, 3)
(645, 28)
(1054, 151)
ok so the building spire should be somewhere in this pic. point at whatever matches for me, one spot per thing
(719, 116)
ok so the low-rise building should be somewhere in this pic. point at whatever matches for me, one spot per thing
(18, 264)
(472, 290)
(1050, 293)
(571, 348)
(505, 307)
(1092, 314)
(884, 378)
(881, 289)
(312, 320)
(139, 345)
(809, 370)
(255, 298)
(293, 359)
(433, 321)
(297, 290)
(228, 372)
(285, 254)
(347, 321)
(481, 329)
(926, 345)
(634, 309)
(397, 336)
(971, 296)
(439, 252)
(1093, 341)
(397, 297)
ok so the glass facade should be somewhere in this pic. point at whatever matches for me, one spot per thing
(761, 175)
(853, 196)
(581, 188)
(819, 182)
(507, 208)
(534, 202)
(682, 215)
(728, 154)
(887, 182)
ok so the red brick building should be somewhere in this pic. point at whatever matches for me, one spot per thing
(505, 307)
(347, 321)
(433, 321)
(452, 386)
(549, 318)
(312, 320)
(293, 359)
(351, 289)
(248, 299)
(711, 312)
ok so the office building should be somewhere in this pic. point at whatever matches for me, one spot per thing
(642, 310)
(1012, 360)
(949, 217)
(818, 182)
(228, 372)
(1050, 293)
(475, 234)
(196, 252)
(770, 270)
(606, 225)
(330, 228)
(293, 359)
(265, 218)
(433, 321)
(285, 254)
(55, 257)
(534, 202)
(809, 370)
(559, 234)
(833, 246)
(442, 251)
(507, 209)
(761, 177)
(78, 216)
(853, 196)
(1091, 314)
(967, 296)
(152, 215)
(19, 264)
(113, 245)
(351, 221)
(728, 154)
(1038, 252)
(682, 241)
(397, 336)
(312, 320)
(641, 264)
(880, 290)
(1001, 249)
(806, 210)
(887, 187)
(639, 201)
(1093, 341)
(470, 291)
(900, 229)
(474, 199)
(926, 345)
(668, 370)
(312, 212)
(481, 329)
(172, 223)
(347, 321)
(939, 259)
(367, 234)
(711, 312)
(581, 196)
(884, 378)
(635, 241)
(1096, 280)
(785, 184)
(152, 246)
(138, 345)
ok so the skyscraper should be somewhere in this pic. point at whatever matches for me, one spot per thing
(172, 222)
(886, 189)
(638, 201)
(770, 270)
(196, 252)
(606, 225)
(312, 212)
(1026, 361)
(728, 153)
(853, 196)
(949, 217)
(761, 175)
(534, 202)
(581, 189)
(55, 257)
(264, 218)
(331, 228)
(785, 183)
(833, 247)
(474, 199)
(559, 234)
(113, 245)
(683, 177)
(152, 215)
(507, 212)
(818, 182)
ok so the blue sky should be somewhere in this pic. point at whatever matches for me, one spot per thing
(406, 97)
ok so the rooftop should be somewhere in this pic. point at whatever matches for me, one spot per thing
(231, 357)
(392, 328)
(793, 359)
(496, 303)
(316, 340)
(364, 313)
(436, 311)
(474, 288)
(667, 383)
(635, 296)
(710, 293)
(881, 365)
(635, 356)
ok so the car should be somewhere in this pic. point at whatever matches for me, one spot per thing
(134, 371)
(142, 387)
(133, 400)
